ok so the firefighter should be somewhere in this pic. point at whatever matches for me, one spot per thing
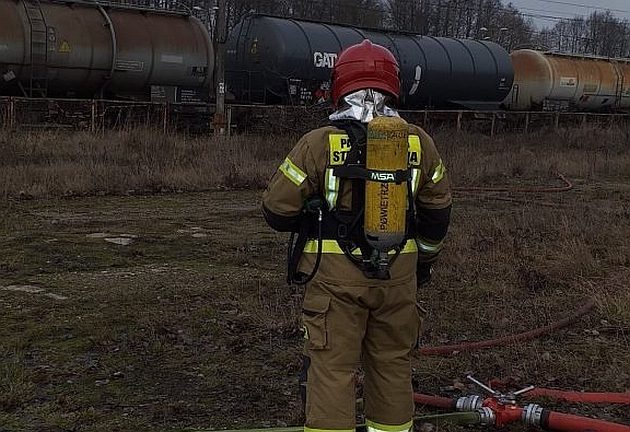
(359, 304)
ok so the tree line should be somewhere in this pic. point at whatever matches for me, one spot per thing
(474, 19)
(600, 33)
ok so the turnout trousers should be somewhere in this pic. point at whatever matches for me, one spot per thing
(352, 323)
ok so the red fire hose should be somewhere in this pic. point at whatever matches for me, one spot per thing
(570, 395)
(574, 396)
(446, 350)
(567, 396)
(556, 421)
(535, 189)
(434, 401)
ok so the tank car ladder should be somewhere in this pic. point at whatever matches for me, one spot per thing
(38, 85)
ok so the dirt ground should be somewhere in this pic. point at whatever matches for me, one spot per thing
(189, 324)
(192, 326)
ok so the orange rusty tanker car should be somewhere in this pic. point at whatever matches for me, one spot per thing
(562, 82)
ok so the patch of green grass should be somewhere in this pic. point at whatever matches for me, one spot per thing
(16, 387)
(615, 307)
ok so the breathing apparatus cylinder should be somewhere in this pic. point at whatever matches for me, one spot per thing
(385, 200)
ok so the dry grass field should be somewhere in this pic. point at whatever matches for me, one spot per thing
(189, 325)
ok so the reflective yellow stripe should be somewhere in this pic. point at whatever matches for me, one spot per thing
(332, 188)
(415, 180)
(415, 150)
(379, 427)
(332, 247)
(308, 429)
(415, 155)
(428, 247)
(439, 173)
(292, 172)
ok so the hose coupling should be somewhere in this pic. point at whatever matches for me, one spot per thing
(532, 415)
(468, 403)
(486, 416)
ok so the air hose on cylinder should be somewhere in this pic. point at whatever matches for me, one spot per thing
(313, 206)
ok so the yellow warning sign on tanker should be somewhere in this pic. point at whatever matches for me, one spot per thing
(64, 47)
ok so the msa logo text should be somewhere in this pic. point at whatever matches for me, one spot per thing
(382, 177)
(324, 60)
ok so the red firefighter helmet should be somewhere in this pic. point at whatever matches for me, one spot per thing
(362, 66)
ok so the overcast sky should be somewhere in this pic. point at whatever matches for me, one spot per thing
(561, 8)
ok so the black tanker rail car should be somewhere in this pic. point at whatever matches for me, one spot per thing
(273, 60)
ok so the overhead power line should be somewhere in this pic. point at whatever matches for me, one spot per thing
(581, 5)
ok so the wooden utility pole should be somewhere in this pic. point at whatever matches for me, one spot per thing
(219, 67)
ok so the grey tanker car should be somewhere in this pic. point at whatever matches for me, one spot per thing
(274, 60)
(85, 49)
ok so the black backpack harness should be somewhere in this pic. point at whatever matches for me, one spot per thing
(346, 227)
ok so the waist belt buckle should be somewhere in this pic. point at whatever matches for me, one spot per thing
(342, 231)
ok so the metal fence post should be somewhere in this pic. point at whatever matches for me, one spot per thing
(4, 110)
(93, 117)
(557, 120)
(526, 122)
(494, 119)
(165, 118)
(459, 120)
(11, 113)
(229, 121)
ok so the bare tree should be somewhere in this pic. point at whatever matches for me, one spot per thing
(475, 19)
(601, 33)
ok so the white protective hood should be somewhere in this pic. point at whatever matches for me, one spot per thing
(363, 105)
